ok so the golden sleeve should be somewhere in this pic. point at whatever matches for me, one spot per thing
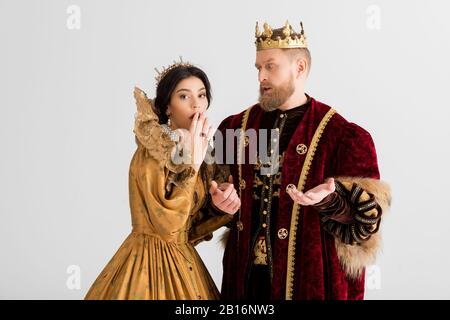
(205, 224)
(209, 219)
(168, 204)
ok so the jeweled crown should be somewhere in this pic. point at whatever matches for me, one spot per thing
(281, 38)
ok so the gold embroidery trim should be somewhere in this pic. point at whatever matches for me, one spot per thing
(296, 208)
(239, 155)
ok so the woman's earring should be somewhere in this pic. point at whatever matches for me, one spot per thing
(168, 130)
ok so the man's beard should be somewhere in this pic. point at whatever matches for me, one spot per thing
(278, 95)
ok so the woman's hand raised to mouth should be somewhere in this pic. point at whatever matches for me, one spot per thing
(196, 139)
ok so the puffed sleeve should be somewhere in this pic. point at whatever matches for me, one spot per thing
(357, 164)
(168, 209)
(357, 181)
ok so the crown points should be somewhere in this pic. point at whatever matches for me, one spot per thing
(267, 30)
(257, 31)
(287, 29)
(165, 70)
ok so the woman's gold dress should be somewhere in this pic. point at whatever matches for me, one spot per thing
(169, 216)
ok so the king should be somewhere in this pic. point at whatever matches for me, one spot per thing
(308, 229)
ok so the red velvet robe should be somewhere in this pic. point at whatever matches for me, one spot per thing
(345, 149)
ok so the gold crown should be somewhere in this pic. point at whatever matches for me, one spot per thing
(165, 70)
(281, 38)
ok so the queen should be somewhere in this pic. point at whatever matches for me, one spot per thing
(171, 209)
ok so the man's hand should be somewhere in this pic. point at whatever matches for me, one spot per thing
(312, 196)
(225, 197)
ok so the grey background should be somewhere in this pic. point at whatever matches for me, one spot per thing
(67, 113)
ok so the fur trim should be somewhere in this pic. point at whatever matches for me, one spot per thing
(354, 258)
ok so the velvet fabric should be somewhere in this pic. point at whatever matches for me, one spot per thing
(344, 149)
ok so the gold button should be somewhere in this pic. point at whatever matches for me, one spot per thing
(265, 212)
(301, 148)
(281, 115)
(264, 225)
(274, 140)
(265, 200)
(267, 187)
(278, 129)
(240, 225)
(242, 184)
(282, 233)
